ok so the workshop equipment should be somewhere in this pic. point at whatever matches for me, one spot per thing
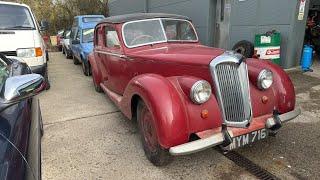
(267, 46)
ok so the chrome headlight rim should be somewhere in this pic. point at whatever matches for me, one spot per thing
(264, 75)
(194, 89)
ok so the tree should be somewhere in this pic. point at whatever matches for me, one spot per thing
(60, 13)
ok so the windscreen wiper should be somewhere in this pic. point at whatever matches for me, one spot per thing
(21, 27)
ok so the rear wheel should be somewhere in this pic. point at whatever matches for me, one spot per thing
(86, 68)
(153, 150)
(75, 60)
(47, 55)
(68, 54)
(96, 86)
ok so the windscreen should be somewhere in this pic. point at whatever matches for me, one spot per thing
(143, 32)
(14, 17)
(179, 30)
(68, 34)
(152, 31)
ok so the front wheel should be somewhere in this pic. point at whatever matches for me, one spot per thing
(86, 68)
(68, 56)
(46, 78)
(96, 86)
(75, 60)
(157, 155)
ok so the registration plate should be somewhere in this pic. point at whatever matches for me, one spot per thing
(246, 139)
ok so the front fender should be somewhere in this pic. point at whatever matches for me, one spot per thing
(282, 87)
(165, 104)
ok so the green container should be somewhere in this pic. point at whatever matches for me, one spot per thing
(268, 46)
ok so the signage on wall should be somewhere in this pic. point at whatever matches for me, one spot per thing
(302, 9)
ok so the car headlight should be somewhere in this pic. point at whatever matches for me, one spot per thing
(29, 52)
(200, 92)
(265, 79)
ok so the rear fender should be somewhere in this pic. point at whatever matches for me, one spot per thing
(95, 68)
(165, 104)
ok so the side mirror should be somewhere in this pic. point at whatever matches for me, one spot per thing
(22, 87)
(44, 25)
(75, 41)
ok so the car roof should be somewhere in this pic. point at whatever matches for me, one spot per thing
(85, 25)
(83, 16)
(14, 3)
(140, 16)
(88, 25)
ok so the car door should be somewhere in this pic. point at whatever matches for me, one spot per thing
(77, 46)
(114, 61)
(20, 131)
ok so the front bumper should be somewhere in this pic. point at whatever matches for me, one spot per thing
(219, 137)
(31, 61)
(39, 69)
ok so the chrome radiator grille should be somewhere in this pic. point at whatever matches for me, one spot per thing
(232, 90)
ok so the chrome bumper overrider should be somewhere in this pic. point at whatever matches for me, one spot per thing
(219, 138)
(283, 118)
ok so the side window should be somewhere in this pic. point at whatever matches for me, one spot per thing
(78, 35)
(99, 36)
(111, 38)
(96, 35)
(73, 33)
(75, 22)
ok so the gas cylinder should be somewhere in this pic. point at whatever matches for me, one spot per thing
(306, 60)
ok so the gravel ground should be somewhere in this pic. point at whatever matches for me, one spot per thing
(86, 137)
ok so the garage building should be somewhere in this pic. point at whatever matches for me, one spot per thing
(223, 23)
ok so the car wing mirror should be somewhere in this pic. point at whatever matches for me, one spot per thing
(44, 25)
(18, 88)
(75, 41)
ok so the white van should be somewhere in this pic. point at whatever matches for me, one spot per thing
(20, 37)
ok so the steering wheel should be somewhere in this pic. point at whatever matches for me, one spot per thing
(140, 37)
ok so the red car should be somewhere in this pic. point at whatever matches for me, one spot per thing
(185, 96)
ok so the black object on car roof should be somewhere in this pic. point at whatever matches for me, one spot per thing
(140, 16)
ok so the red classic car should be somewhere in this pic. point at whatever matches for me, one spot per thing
(185, 96)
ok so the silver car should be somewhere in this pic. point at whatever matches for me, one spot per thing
(65, 42)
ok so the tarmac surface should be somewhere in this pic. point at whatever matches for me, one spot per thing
(87, 137)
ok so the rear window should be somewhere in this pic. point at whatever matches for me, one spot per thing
(91, 19)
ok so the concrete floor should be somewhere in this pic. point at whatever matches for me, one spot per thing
(86, 137)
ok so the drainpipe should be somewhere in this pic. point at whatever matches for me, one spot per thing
(146, 6)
